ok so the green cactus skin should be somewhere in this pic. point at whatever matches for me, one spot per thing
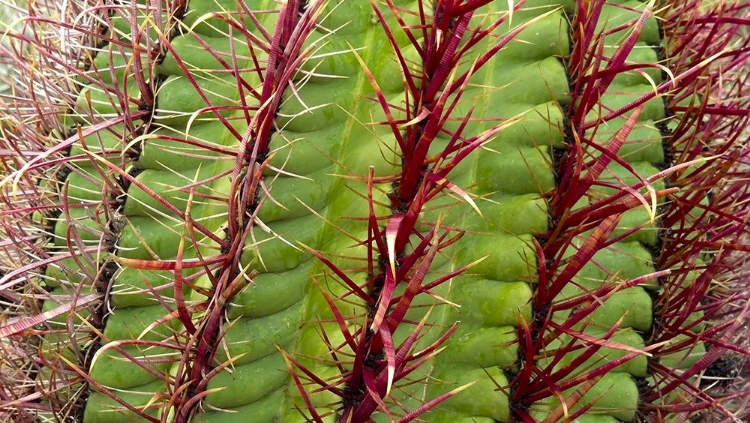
(484, 341)
(616, 394)
(153, 201)
(534, 86)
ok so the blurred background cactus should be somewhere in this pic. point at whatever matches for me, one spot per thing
(385, 210)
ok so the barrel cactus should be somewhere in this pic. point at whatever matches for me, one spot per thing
(386, 210)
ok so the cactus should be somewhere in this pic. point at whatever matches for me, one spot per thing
(394, 210)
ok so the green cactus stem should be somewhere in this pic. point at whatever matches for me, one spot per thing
(370, 211)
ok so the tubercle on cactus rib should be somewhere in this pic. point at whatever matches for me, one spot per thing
(395, 210)
(632, 258)
(82, 235)
(515, 169)
(98, 193)
(178, 172)
(296, 213)
(628, 310)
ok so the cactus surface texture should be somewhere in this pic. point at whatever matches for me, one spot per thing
(220, 211)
